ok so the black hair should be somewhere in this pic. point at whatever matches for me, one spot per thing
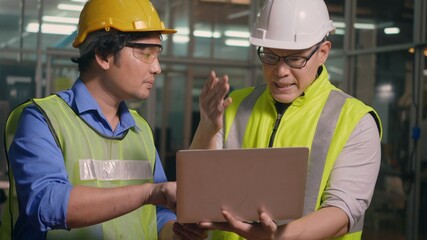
(107, 45)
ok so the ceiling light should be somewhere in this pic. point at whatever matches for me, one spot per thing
(182, 31)
(391, 30)
(239, 34)
(70, 7)
(385, 92)
(207, 34)
(59, 29)
(56, 19)
(237, 43)
(369, 26)
(180, 39)
(339, 24)
(339, 31)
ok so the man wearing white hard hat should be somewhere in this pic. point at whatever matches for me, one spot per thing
(297, 107)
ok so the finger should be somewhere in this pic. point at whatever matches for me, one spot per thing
(215, 86)
(212, 74)
(195, 229)
(209, 83)
(227, 102)
(213, 79)
(235, 223)
(211, 89)
(214, 226)
(217, 96)
(223, 84)
(183, 233)
(267, 223)
(178, 236)
(224, 80)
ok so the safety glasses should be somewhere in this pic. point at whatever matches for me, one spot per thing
(292, 61)
(146, 52)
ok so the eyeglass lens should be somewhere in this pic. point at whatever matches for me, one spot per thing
(147, 53)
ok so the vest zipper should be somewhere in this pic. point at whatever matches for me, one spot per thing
(280, 109)
(273, 134)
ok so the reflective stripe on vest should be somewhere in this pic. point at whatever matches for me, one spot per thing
(319, 149)
(238, 127)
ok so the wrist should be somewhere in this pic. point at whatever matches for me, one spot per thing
(204, 138)
(208, 128)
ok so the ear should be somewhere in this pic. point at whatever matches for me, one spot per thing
(104, 63)
(324, 50)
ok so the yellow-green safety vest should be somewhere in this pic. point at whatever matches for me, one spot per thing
(86, 152)
(322, 119)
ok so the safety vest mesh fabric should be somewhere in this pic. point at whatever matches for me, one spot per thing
(79, 141)
(11, 212)
(322, 120)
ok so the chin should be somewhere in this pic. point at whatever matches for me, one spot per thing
(283, 99)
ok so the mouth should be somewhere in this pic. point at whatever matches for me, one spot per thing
(284, 86)
(149, 83)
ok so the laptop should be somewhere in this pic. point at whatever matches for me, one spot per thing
(241, 181)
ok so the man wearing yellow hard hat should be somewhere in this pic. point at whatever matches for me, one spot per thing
(297, 107)
(84, 164)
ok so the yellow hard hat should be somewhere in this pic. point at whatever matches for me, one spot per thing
(125, 16)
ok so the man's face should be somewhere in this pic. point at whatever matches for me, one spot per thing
(132, 75)
(286, 83)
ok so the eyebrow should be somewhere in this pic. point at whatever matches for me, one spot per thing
(142, 45)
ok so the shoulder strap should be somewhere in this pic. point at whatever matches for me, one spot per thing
(319, 149)
(244, 111)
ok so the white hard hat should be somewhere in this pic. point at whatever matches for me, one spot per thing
(291, 24)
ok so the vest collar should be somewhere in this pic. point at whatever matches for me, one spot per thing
(320, 86)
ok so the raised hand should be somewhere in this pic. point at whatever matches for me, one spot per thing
(213, 101)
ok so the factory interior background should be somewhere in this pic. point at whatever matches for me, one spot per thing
(379, 53)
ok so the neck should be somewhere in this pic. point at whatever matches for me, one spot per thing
(108, 104)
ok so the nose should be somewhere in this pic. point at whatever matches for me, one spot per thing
(282, 69)
(155, 67)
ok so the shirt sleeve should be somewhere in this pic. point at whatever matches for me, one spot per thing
(164, 215)
(38, 166)
(220, 139)
(354, 175)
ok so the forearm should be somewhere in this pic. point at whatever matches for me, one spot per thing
(325, 223)
(204, 138)
(89, 205)
(213, 101)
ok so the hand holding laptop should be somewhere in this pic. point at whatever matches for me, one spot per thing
(264, 229)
